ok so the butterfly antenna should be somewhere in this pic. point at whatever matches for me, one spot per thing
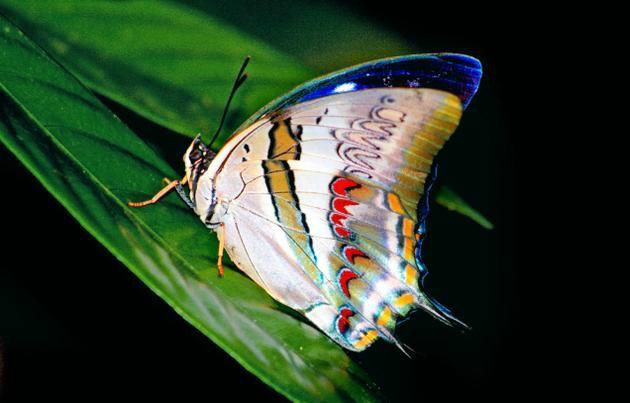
(240, 79)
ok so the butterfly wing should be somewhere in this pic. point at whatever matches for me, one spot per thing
(451, 72)
(322, 206)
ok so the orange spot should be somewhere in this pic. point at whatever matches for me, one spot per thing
(385, 317)
(411, 274)
(408, 227)
(404, 300)
(366, 340)
(408, 249)
(394, 203)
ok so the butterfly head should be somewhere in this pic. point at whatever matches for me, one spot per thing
(197, 160)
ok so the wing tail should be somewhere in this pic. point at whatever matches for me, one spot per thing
(442, 313)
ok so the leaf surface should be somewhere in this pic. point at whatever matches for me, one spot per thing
(171, 64)
(452, 201)
(93, 164)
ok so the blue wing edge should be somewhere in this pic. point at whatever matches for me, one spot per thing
(451, 72)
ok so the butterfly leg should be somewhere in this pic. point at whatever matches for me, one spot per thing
(221, 236)
(170, 186)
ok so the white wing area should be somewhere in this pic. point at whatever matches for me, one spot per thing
(321, 204)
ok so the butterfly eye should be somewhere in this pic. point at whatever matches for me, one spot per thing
(194, 155)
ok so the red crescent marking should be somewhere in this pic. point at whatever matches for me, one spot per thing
(341, 204)
(344, 277)
(340, 186)
(341, 231)
(351, 253)
(342, 319)
(337, 218)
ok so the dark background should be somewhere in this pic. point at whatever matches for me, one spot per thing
(74, 322)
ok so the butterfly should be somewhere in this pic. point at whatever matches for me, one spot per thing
(321, 197)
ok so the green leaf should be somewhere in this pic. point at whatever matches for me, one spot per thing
(93, 164)
(325, 36)
(452, 201)
(168, 63)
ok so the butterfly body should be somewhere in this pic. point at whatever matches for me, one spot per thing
(321, 196)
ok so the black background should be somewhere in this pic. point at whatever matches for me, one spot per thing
(74, 322)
